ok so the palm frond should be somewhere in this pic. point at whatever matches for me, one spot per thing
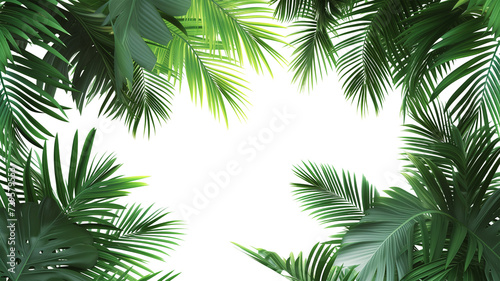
(148, 102)
(139, 235)
(132, 21)
(315, 22)
(87, 194)
(381, 245)
(21, 100)
(206, 74)
(315, 55)
(365, 60)
(317, 266)
(89, 47)
(335, 200)
(26, 24)
(242, 27)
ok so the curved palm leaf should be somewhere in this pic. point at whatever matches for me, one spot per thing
(23, 24)
(46, 245)
(335, 200)
(209, 45)
(317, 266)
(21, 100)
(87, 194)
(242, 27)
(449, 230)
(149, 101)
(409, 44)
(133, 20)
(210, 50)
(316, 23)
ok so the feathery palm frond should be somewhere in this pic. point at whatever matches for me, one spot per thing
(452, 219)
(47, 245)
(211, 48)
(26, 24)
(87, 195)
(335, 200)
(315, 22)
(317, 266)
(206, 74)
(89, 47)
(21, 100)
(409, 44)
(243, 27)
(208, 47)
(149, 101)
(132, 21)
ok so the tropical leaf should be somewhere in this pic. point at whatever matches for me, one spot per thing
(315, 54)
(207, 75)
(365, 60)
(446, 231)
(89, 47)
(210, 50)
(148, 103)
(139, 234)
(46, 245)
(317, 266)
(21, 100)
(197, 52)
(381, 244)
(87, 193)
(133, 20)
(335, 200)
(242, 27)
(315, 22)
(26, 24)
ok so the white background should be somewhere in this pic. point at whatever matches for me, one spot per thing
(256, 208)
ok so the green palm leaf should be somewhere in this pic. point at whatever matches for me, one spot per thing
(335, 200)
(452, 220)
(206, 74)
(21, 100)
(149, 102)
(87, 194)
(25, 24)
(317, 266)
(138, 234)
(47, 245)
(133, 20)
(242, 27)
(210, 50)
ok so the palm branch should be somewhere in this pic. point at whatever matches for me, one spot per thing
(21, 97)
(317, 266)
(86, 196)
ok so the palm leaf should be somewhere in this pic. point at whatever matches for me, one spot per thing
(87, 194)
(148, 103)
(139, 234)
(47, 245)
(242, 27)
(335, 200)
(206, 74)
(21, 100)
(132, 21)
(317, 266)
(23, 24)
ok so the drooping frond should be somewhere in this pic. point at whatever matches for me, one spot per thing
(21, 100)
(317, 266)
(148, 102)
(210, 77)
(86, 193)
(243, 28)
(335, 200)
